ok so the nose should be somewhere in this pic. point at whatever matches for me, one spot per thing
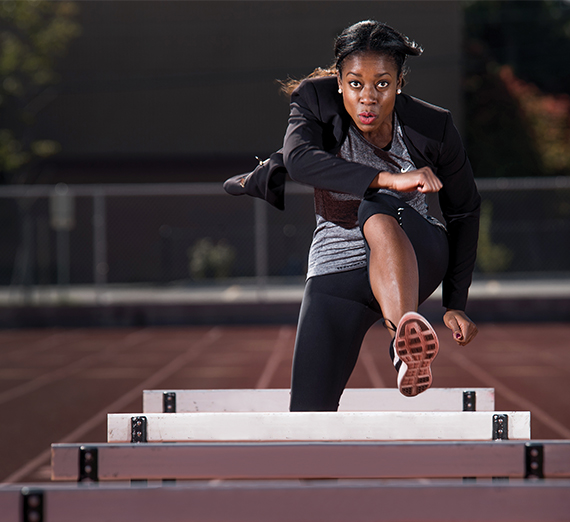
(368, 95)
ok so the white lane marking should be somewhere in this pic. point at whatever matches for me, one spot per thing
(521, 402)
(101, 416)
(72, 368)
(281, 344)
(41, 345)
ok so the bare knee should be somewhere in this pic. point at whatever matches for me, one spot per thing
(381, 227)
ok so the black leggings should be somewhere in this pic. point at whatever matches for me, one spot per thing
(338, 309)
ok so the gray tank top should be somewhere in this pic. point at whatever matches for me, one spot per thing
(338, 244)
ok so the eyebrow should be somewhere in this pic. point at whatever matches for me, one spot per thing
(377, 76)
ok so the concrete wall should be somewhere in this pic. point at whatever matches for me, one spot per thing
(184, 78)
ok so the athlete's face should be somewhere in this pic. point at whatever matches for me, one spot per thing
(369, 82)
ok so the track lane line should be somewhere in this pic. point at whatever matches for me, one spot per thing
(492, 382)
(32, 385)
(40, 345)
(283, 339)
(166, 371)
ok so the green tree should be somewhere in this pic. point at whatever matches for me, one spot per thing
(491, 257)
(33, 35)
(531, 36)
(517, 88)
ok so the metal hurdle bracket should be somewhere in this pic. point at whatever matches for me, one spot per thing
(32, 505)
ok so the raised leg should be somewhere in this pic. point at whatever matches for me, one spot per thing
(393, 268)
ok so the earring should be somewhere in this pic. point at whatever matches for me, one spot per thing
(399, 91)
(339, 90)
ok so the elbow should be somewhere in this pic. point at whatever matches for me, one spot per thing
(291, 163)
(288, 160)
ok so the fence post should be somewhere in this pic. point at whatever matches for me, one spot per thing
(100, 265)
(62, 219)
(261, 244)
(22, 267)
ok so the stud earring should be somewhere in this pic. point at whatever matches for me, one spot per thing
(339, 90)
(399, 91)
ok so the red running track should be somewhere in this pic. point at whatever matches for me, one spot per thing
(58, 385)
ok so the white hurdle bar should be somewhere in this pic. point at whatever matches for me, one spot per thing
(316, 460)
(317, 426)
(279, 501)
(353, 399)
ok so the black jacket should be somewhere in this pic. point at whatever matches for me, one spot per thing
(318, 124)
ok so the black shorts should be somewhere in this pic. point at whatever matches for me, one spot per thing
(338, 309)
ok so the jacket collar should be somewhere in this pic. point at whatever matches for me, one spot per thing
(416, 118)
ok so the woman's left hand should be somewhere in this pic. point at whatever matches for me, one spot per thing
(463, 328)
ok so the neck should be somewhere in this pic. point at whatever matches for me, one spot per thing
(381, 137)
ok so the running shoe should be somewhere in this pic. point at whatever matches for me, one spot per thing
(236, 184)
(416, 345)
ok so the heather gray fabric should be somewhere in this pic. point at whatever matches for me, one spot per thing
(338, 244)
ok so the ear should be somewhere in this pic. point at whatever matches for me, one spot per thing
(400, 81)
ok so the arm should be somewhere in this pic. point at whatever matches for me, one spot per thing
(460, 204)
(266, 181)
(315, 128)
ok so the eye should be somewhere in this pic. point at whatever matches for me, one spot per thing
(354, 84)
(382, 84)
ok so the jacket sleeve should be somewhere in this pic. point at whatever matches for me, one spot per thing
(460, 205)
(310, 135)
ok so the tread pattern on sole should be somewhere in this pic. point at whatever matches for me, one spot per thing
(417, 346)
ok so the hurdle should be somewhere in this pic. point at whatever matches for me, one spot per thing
(317, 426)
(316, 460)
(353, 399)
(278, 501)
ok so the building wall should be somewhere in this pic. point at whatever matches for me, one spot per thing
(167, 79)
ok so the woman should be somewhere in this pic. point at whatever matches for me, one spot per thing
(372, 153)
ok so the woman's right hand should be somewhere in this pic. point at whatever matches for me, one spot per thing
(423, 180)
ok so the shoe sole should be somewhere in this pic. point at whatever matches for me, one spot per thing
(416, 345)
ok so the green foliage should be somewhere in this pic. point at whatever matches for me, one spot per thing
(33, 34)
(533, 37)
(499, 141)
(517, 89)
(11, 154)
(211, 260)
(491, 257)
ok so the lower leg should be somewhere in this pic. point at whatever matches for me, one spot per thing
(333, 321)
(393, 269)
(394, 279)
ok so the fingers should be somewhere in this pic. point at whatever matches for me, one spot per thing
(463, 329)
(423, 180)
(455, 328)
(467, 336)
(472, 332)
(429, 181)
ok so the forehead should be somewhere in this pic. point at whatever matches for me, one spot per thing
(370, 63)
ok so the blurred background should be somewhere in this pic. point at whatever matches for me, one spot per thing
(119, 120)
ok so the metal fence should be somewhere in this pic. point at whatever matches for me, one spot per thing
(195, 234)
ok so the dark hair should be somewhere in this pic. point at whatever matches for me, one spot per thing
(362, 37)
(370, 35)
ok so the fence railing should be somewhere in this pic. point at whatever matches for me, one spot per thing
(195, 234)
